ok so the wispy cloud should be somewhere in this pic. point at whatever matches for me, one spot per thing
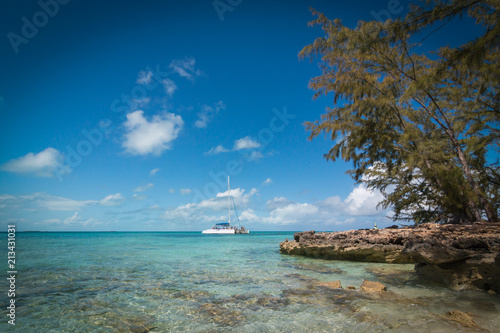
(185, 68)
(267, 181)
(170, 87)
(185, 191)
(50, 221)
(245, 143)
(139, 103)
(72, 220)
(255, 155)
(207, 113)
(51, 202)
(143, 188)
(43, 164)
(145, 77)
(137, 196)
(112, 200)
(217, 150)
(240, 144)
(145, 137)
(154, 171)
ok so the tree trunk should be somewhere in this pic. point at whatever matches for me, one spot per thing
(468, 175)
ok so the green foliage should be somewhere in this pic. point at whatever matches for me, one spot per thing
(416, 126)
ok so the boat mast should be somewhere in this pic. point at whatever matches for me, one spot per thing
(229, 199)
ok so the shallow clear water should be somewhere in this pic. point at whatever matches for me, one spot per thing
(189, 282)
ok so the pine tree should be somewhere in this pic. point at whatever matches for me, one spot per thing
(417, 126)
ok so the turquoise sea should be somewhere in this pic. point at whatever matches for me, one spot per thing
(189, 282)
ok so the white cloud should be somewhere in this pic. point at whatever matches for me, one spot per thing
(235, 193)
(204, 210)
(267, 181)
(217, 150)
(185, 68)
(44, 164)
(154, 171)
(170, 87)
(359, 207)
(248, 215)
(145, 77)
(255, 155)
(293, 213)
(362, 201)
(330, 211)
(171, 190)
(150, 137)
(240, 144)
(112, 200)
(143, 188)
(245, 143)
(208, 113)
(185, 191)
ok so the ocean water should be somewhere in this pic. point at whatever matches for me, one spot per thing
(189, 282)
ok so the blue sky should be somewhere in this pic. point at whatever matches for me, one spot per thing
(129, 115)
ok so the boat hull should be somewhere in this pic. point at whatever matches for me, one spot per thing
(219, 231)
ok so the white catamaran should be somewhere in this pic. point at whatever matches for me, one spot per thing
(226, 228)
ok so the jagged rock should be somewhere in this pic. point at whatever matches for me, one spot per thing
(372, 287)
(456, 255)
(481, 272)
(357, 245)
(434, 252)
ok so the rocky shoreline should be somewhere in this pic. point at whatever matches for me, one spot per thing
(455, 255)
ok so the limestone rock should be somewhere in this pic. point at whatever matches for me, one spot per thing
(456, 255)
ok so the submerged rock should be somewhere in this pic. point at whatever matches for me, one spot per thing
(465, 319)
(329, 284)
(220, 314)
(372, 287)
(457, 256)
